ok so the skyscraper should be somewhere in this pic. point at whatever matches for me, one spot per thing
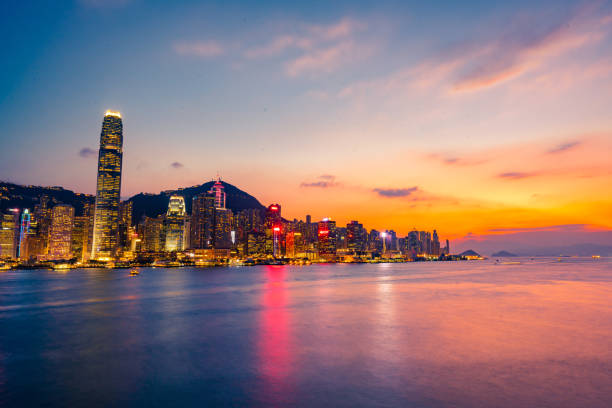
(9, 233)
(327, 239)
(60, 235)
(175, 224)
(108, 188)
(218, 191)
(202, 221)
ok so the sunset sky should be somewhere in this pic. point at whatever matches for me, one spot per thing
(476, 118)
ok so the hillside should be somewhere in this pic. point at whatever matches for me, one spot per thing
(18, 196)
(154, 204)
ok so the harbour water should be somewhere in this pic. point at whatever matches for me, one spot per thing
(464, 334)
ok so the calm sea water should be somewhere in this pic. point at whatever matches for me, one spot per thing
(460, 334)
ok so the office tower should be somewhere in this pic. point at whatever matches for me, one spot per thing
(108, 188)
(126, 231)
(202, 221)
(175, 224)
(273, 229)
(42, 218)
(218, 192)
(153, 234)
(327, 239)
(356, 237)
(9, 234)
(447, 248)
(222, 238)
(80, 232)
(24, 232)
(60, 234)
(341, 239)
(187, 233)
(413, 243)
(435, 244)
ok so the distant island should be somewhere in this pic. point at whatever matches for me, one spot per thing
(504, 254)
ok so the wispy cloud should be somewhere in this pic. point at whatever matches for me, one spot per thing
(324, 181)
(563, 147)
(325, 60)
(516, 175)
(87, 152)
(395, 192)
(177, 165)
(320, 48)
(202, 49)
(521, 47)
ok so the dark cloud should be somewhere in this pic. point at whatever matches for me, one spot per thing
(86, 152)
(177, 165)
(516, 175)
(320, 184)
(564, 147)
(325, 181)
(395, 192)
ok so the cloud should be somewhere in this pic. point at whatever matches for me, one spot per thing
(563, 147)
(516, 175)
(203, 49)
(326, 60)
(325, 181)
(523, 47)
(316, 48)
(177, 165)
(87, 152)
(395, 192)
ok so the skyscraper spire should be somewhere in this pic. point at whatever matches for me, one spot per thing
(108, 187)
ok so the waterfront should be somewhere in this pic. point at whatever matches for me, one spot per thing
(429, 334)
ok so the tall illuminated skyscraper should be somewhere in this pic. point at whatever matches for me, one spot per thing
(175, 224)
(108, 188)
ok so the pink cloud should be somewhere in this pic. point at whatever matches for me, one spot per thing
(325, 59)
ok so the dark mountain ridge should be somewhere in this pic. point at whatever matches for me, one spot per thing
(19, 196)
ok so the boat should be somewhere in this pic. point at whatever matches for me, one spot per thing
(595, 256)
(134, 272)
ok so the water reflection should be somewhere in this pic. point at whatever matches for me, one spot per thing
(274, 337)
(429, 335)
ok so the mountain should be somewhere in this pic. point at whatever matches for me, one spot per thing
(504, 254)
(18, 196)
(469, 252)
(153, 205)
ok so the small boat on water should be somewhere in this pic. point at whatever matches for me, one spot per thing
(595, 256)
(134, 272)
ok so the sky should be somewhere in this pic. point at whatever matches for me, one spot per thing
(477, 118)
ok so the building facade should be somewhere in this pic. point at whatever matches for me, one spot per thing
(108, 188)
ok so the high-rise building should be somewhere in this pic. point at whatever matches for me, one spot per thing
(108, 188)
(153, 234)
(435, 244)
(60, 235)
(9, 234)
(222, 237)
(356, 237)
(327, 239)
(273, 230)
(202, 221)
(24, 233)
(218, 192)
(175, 224)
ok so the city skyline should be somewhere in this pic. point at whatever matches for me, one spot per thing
(484, 130)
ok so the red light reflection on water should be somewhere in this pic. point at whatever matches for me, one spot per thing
(274, 342)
